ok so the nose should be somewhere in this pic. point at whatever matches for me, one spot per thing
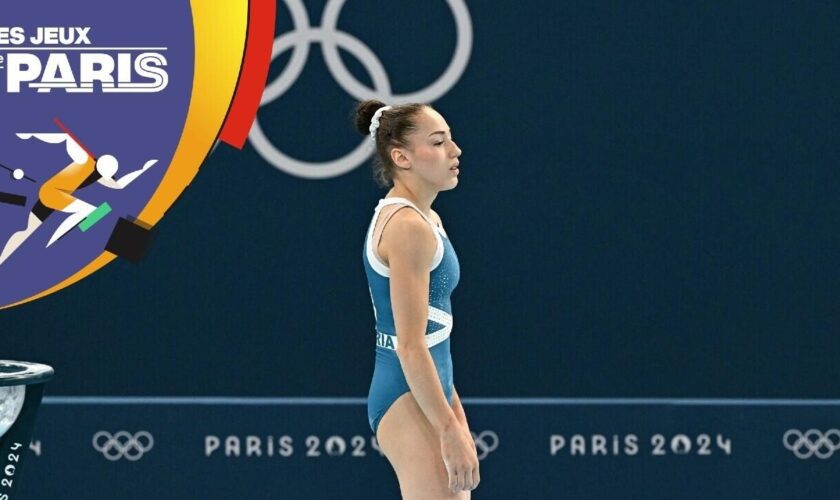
(456, 151)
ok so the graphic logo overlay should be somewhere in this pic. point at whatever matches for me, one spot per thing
(107, 117)
(331, 40)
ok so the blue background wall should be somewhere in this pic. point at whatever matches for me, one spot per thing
(647, 207)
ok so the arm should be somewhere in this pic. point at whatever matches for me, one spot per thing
(461, 417)
(127, 178)
(409, 246)
(458, 409)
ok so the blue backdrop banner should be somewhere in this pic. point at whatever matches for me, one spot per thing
(647, 208)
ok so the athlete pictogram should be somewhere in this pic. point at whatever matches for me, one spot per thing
(57, 193)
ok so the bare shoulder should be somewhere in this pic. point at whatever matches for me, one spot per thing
(408, 238)
(408, 226)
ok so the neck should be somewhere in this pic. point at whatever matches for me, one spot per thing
(423, 199)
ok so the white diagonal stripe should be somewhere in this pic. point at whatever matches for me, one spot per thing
(440, 316)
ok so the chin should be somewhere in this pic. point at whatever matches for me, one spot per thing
(450, 184)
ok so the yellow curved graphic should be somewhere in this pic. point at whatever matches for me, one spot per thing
(220, 30)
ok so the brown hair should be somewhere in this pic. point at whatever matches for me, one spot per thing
(394, 125)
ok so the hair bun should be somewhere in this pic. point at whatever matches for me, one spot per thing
(364, 114)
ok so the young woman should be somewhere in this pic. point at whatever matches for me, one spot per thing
(412, 268)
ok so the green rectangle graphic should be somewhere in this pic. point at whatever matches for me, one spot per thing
(95, 216)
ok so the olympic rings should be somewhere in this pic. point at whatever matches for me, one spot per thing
(123, 445)
(331, 39)
(812, 442)
(485, 443)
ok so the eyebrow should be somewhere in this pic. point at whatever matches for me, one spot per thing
(439, 132)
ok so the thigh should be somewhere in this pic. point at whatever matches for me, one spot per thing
(55, 199)
(57, 191)
(412, 447)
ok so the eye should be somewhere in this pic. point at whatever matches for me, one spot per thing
(438, 143)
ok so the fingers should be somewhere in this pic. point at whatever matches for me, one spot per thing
(471, 479)
(476, 478)
(474, 475)
(453, 480)
(461, 463)
(464, 480)
(457, 481)
(468, 480)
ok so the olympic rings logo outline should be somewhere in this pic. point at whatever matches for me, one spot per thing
(331, 39)
(485, 443)
(813, 442)
(123, 445)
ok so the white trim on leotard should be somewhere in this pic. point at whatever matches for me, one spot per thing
(378, 266)
(432, 339)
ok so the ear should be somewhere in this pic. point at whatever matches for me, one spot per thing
(399, 159)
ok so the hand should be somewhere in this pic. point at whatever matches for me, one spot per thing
(149, 164)
(457, 448)
(466, 429)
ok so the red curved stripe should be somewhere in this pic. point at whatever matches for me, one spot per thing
(254, 73)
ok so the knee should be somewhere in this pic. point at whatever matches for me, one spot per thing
(50, 197)
(44, 192)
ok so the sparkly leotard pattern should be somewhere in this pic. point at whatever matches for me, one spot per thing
(389, 382)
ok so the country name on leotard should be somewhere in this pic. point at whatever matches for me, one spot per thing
(383, 340)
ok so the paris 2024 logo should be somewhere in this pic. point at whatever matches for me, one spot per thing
(106, 117)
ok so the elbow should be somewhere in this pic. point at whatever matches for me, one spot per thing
(407, 351)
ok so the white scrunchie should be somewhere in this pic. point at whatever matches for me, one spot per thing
(374, 122)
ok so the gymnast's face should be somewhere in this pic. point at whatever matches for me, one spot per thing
(431, 155)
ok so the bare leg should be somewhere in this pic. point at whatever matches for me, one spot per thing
(79, 210)
(19, 237)
(411, 445)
